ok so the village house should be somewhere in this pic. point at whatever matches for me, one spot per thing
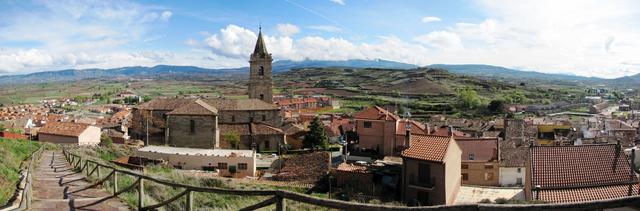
(431, 173)
(617, 130)
(384, 132)
(512, 166)
(480, 164)
(232, 163)
(557, 174)
(69, 133)
(258, 136)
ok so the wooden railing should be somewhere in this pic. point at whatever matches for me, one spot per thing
(27, 172)
(279, 197)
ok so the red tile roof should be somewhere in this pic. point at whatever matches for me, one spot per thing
(197, 107)
(427, 147)
(483, 149)
(165, 104)
(444, 131)
(580, 170)
(376, 113)
(587, 194)
(64, 128)
(416, 127)
(513, 157)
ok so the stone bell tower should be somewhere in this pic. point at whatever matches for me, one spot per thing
(260, 81)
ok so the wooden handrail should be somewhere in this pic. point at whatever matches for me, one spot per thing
(280, 195)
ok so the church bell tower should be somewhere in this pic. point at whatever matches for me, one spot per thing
(260, 81)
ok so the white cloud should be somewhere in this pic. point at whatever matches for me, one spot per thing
(327, 28)
(429, 19)
(444, 40)
(287, 29)
(166, 15)
(340, 2)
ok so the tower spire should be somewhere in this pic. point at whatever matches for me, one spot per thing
(261, 48)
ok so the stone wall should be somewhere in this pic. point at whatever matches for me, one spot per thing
(271, 117)
(204, 134)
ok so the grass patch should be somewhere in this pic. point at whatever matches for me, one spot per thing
(12, 153)
(155, 193)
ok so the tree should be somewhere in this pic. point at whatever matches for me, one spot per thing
(146, 98)
(105, 140)
(496, 106)
(316, 135)
(233, 138)
(2, 128)
(469, 97)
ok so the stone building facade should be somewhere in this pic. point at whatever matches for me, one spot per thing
(260, 77)
(194, 125)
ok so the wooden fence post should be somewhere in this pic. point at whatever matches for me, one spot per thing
(141, 194)
(189, 201)
(98, 169)
(281, 205)
(115, 182)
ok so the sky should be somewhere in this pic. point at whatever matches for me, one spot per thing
(579, 37)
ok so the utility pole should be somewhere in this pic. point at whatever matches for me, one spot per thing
(147, 129)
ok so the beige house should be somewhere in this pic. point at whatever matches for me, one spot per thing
(69, 133)
(233, 163)
(431, 170)
(384, 132)
(480, 164)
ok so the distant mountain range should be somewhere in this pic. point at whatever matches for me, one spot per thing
(167, 71)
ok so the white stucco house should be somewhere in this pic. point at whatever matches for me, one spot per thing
(512, 166)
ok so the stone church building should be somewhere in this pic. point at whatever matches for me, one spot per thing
(202, 123)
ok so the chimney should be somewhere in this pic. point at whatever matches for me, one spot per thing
(450, 131)
(428, 128)
(407, 138)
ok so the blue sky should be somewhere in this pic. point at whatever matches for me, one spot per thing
(591, 38)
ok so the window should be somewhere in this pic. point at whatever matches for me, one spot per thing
(233, 118)
(424, 173)
(519, 181)
(267, 144)
(222, 166)
(208, 168)
(261, 71)
(465, 176)
(488, 176)
(519, 170)
(465, 166)
(242, 166)
(192, 126)
(472, 156)
(262, 96)
(488, 166)
(367, 124)
(264, 118)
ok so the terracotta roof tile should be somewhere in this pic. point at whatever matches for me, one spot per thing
(197, 107)
(587, 194)
(376, 113)
(513, 157)
(64, 128)
(165, 104)
(483, 149)
(240, 104)
(427, 147)
(563, 166)
(416, 127)
(352, 168)
(576, 173)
